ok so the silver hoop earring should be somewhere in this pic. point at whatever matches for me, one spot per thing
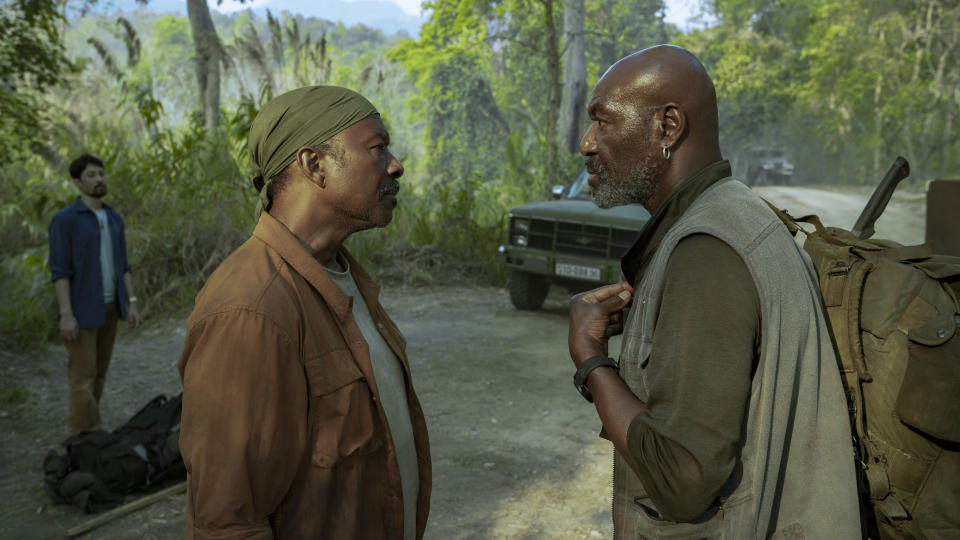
(666, 153)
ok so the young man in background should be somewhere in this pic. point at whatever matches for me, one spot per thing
(91, 274)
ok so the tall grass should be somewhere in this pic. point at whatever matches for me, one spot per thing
(27, 303)
(186, 202)
(446, 233)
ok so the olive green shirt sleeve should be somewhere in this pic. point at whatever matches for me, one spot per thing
(685, 444)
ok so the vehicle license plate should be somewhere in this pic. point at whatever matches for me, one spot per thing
(577, 271)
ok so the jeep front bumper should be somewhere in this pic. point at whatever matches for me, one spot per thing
(561, 267)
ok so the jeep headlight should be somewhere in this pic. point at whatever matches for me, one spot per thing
(520, 239)
(521, 225)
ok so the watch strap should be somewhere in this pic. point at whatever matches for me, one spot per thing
(588, 365)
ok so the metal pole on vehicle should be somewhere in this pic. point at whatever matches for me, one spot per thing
(899, 170)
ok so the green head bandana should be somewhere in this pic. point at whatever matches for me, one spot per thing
(306, 116)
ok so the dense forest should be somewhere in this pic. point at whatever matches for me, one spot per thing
(485, 108)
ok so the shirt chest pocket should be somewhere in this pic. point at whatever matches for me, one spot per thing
(86, 244)
(342, 410)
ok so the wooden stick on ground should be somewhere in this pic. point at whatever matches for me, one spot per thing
(125, 509)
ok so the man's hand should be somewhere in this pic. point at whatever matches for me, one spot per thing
(134, 315)
(594, 317)
(69, 329)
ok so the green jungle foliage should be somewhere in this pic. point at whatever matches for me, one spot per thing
(471, 104)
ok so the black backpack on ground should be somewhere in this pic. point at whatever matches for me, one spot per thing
(100, 467)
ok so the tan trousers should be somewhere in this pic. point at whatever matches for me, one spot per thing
(89, 360)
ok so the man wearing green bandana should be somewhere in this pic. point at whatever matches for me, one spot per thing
(299, 416)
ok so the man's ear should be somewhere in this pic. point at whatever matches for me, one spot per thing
(312, 164)
(672, 124)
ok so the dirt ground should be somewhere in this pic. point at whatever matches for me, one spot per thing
(515, 449)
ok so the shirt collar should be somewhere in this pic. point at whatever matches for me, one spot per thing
(78, 206)
(276, 235)
(635, 261)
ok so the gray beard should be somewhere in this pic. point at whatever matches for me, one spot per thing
(638, 187)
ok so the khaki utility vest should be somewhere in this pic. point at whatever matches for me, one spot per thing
(796, 470)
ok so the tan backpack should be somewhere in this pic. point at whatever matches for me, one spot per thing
(894, 314)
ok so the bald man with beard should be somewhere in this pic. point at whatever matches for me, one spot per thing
(726, 408)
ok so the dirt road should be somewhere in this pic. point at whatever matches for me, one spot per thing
(903, 221)
(515, 449)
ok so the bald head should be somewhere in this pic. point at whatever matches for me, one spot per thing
(654, 125)
(663, 74)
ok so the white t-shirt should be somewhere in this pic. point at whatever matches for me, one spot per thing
(389, 376)
(107, 269)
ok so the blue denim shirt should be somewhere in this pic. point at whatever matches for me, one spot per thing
(74, 236)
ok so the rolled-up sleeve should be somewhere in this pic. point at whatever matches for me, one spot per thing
(685, 444)
(60, 259)
(244, 425)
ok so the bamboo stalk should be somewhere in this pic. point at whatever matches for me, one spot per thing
(125, 509)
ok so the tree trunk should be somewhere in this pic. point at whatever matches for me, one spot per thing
(878, 125)
(207, 46)
(553, 96)
(570, 117)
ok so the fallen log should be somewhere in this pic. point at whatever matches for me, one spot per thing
(125, 509)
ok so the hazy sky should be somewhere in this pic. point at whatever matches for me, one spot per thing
(678, 11)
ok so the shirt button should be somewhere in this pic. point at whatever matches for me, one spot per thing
(379, 325)
(358, 344)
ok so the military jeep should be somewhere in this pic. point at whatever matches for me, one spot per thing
(568, 242)
(768, 165)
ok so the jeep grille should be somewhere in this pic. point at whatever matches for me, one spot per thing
(586, 240)
(577, 238)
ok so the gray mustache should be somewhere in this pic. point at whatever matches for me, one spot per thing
(392, 188)
(593, 167)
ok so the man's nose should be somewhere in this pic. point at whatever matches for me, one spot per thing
(588, 144)
(395, 168)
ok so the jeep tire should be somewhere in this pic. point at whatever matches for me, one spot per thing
(527, 291)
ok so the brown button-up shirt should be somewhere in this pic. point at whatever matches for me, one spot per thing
(283, 434)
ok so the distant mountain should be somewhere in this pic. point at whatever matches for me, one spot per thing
(382, 14)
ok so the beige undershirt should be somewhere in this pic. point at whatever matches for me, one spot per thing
(389, 377)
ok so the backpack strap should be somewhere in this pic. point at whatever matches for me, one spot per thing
(786, 218)
(793, 223)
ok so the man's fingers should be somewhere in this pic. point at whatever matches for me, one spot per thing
(617, 301)
(603, 293)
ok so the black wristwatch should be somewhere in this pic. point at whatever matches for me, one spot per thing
(588, 365)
